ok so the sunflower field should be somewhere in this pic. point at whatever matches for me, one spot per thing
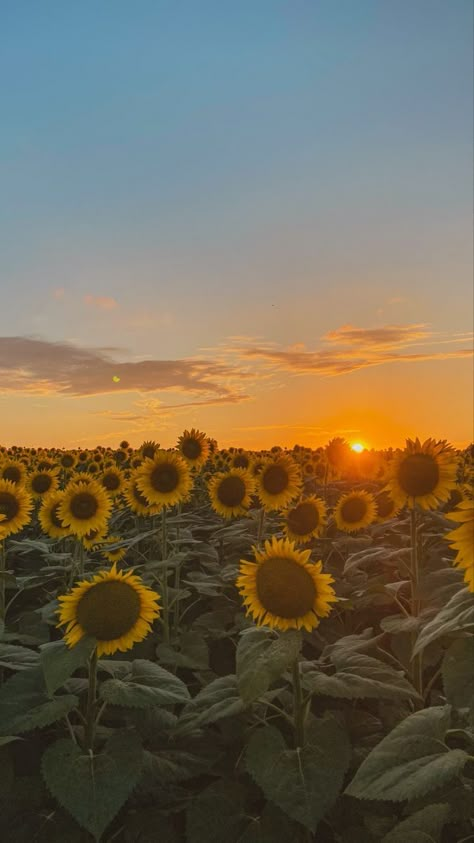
(205, 645)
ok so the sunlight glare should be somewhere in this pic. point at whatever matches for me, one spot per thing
(357, 447)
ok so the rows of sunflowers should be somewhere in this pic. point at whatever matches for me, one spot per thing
(205, 645)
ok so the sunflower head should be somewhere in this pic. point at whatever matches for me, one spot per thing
(278, 482)
(283, 589)
(338, 453)
(85, 507)
(41, 483)
(230, 492)
(113, 554)
(148, 449)
(423, 473)
(354, 511)
(112, 480)
(15, 507)
(115, 608)
(48, 516)
(165, 480)
(385, 506)
(305, 519)
(462, 540)
(193, 447)
(13, 471)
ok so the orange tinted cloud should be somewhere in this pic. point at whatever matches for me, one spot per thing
(101, 302)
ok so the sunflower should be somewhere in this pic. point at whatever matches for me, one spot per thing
(305, 519)
(164, 480)
(48, 516)
(41, 483)
(462, 540)
(423, 473)
(67, 460)
(241, 460)
(193, 447)
(338, 453)
(114, 555)
(282, 589)
(112, 480)
(14, 471)
(278, 482)
(148, 449)
(385, 507)
(354, 511)
(85, 507)
(93, 538)
(115, 608)
(136, 500)
(15, 506)
(230, 492)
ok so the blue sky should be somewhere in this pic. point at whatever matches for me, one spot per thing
(174, 175)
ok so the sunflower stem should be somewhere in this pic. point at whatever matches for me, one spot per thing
(298, 705)
(91, 703)
(164, 585)
(81, 557)
(177, 574)
(261, 525)
(417, 670)
(2, 578)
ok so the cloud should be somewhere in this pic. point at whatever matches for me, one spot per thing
(32, 365)
(101, 302)
(392, 335)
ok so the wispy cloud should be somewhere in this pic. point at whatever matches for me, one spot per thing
(58, 293)
(389, 335)
(100, 302)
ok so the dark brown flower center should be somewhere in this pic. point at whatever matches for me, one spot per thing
(285, 588)
(111, 481)
(108, 610)
(164, 477)
(9, 507)
(231, 491)
(67, 461)
(191, 448)
(40, 483)
(241, 461)
(275, 479)
(353, 510)
(418, 475)
(303, 519)
(385, 505)
(12, 473)
(83, 505)
(148, 451)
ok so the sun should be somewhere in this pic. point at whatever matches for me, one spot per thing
(357, 447)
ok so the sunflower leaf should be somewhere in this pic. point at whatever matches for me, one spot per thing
(306, 781)
(219, 699)
(360, 676)
(25, 705)
(60, 661)
(17, 658)
(458, 614)
(91, 787)
(458, 672)
(262, 658)
(410, 761)
(147, 684)
(424, 826)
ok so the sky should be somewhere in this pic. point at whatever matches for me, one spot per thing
(251, 218)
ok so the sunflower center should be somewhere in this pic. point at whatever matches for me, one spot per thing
(231, 491)
(353, 510)
(83, 506)
(12, 473)
(275, 479)
(385, 504)
(9, 506)
(418, 475)
(41, 483)
(191, 449)
(55, 518)
(67, 461)
(285, 588)
(148, 451)
(241, 461)
(164, 478)
(303, 519)
(108, 610)
(111, 482)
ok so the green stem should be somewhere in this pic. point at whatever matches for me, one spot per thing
(81, 557)
(91, 703)
(177, 574)
(164, 582)
(415, 603)
(261, 526)
(2, 578)
(298, 705)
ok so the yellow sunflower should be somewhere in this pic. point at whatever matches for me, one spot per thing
(41, 483)
(136, 500)
(193, 447)
(230, 492)
(241, 460)
(48, 516)
(338, 453)
(278, 482)
(67, 460)
(112, 480)
(115, 608)
(462, 540)
(148, 449)
(165, 480)
(14, 471)
(115, 555)
(423, 473)
(354, 511)
(282, 589)
(305, 519)
(94, 537)
(85, 507)
(385, 507)
(15, 506)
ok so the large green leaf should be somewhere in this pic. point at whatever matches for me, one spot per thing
(458, 672)
(146, 684)
(25, 705)
(262, 657)
(219, 699)
(60, 661)
(93, 788)
(424, 826)
(357, 676)
(303, 782)
(17, 658)
(458, 614)
(410, 761)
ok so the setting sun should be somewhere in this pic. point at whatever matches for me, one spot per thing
(358, 447)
